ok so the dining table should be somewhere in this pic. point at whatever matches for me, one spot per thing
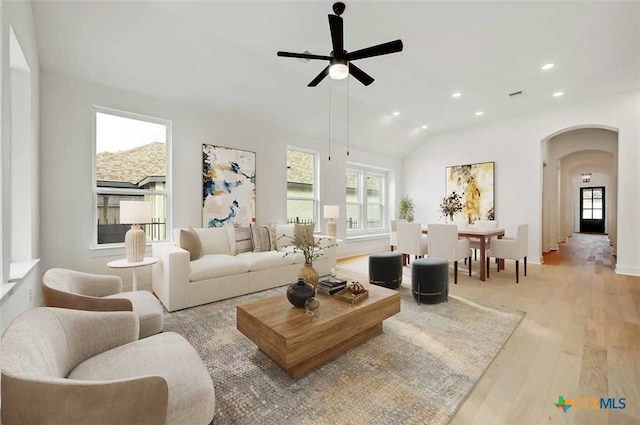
(483, 235)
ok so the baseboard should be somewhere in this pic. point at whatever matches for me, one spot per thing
(627, 270)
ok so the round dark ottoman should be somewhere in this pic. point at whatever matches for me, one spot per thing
(430, 280)
(385, 269)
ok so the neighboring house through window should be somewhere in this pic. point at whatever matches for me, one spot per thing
(130, 164)
(302, 189)
(365, 200)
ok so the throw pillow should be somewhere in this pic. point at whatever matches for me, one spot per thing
(304, 232)
(243, 239)
(260, 237)
(190, 241)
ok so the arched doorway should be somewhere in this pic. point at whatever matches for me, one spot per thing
(567, 155)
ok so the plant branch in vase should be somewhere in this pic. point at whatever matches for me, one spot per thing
(311, 248)
(451, 205)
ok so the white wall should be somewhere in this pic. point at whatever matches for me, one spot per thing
(515, 146)
(66, 146)
(26, 294)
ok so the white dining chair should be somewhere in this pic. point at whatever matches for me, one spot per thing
(393, 235)
(411, 241)
(511, 249)
(444, 243)
(474, 242)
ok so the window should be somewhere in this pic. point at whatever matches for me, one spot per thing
(302, 189)
(130, 164)
(365, 200)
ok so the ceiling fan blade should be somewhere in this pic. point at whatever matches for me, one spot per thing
(380, 49)
(360, 75)
(303, 55)
(319, 78)
(337, 36)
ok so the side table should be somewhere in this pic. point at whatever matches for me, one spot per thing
(124, 264)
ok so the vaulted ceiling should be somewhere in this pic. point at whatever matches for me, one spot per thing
(222, 55)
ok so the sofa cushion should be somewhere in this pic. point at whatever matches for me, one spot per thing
(296, 257)
(304, 232)
(266, 260)
(167, 355)
(188, 239)
(243, 241)
(217, 240)
(216, 265)
(284, 235)
(261, 238)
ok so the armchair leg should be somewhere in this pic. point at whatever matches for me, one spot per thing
(517, 281)
(475, 255)
(469, 265)
(391, 248)
(455, 272)
(525, 266)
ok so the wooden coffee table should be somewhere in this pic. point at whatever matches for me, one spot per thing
(298, 343)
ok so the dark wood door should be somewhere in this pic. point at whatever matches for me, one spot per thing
(592, 209)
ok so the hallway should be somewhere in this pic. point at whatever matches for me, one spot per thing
(580, 249)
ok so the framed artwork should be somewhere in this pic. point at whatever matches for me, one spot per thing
(228, 186)
(475, 182)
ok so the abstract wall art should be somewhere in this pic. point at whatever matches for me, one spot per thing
(228, 186)
(476, 184)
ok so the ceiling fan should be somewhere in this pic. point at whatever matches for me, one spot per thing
(340, 61)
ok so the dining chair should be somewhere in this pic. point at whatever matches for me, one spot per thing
(511, 249)
(474, 242)
(444, 243)
(411, 241)
(393, 235)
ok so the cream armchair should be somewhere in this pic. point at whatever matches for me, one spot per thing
(411, 241)
(62, 366)
(511, 249)
(83, 291)
(444, 243)
(393, 235)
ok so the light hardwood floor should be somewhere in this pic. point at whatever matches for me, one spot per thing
(580, 338)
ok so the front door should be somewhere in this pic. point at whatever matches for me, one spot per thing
(592, 209)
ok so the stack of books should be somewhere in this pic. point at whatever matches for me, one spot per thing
(331, 286)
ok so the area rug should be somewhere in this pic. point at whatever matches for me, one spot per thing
(418, 371)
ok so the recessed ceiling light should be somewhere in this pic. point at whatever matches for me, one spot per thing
(456, 94)
(396, 113)
(548, 66)
(479, 113)
(424, 127)
(558, 94)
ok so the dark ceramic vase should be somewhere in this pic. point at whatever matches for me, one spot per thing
(299, 292)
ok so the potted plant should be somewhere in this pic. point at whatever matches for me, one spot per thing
(406, 210)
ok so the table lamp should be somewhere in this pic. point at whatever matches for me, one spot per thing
(331, 212)
(135, 240)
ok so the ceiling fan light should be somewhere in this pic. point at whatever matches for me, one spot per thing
(339, 71)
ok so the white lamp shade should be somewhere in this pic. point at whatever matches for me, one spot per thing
(331, 211)
(135, 212)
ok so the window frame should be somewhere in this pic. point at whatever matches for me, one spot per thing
(127, 191)
(363, 200)
(315, 184)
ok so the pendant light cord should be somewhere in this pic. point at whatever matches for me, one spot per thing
(330, 84)
(348, 99)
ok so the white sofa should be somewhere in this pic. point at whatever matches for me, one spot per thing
(221, 273)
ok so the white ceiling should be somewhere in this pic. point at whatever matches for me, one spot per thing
(222, 54)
